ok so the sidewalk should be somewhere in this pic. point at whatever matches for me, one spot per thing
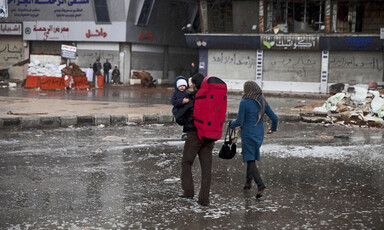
(23, 112)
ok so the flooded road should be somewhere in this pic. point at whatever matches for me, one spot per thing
(142, 96)
(128, 178)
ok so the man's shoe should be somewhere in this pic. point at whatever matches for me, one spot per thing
(205, 204)
(247, 192)
(181, 195)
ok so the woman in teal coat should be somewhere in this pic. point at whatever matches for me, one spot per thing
(250, 118)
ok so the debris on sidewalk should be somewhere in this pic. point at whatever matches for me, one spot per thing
(131, 123)
(359, 106)
(25, 114)
(113, 138)
(146, 78)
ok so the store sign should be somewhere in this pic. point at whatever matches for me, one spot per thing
(49, 10)
(68, 51)
(73, 31)
(355, 43)
(287, 42)
(10, 28)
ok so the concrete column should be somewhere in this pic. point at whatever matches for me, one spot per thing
(203, 61)
(125, 63)
(327, 16)
(165, 62)
(261, 16)
(203, 8)
(269, 16)
(334, 17)
(352, 9)
(26, 56)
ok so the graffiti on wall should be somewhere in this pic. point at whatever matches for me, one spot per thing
(88, 57)
(297, 67)
(233, 59)
(351, 62)
(294, 62)
(11, 52)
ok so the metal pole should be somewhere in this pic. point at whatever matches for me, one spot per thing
(305, 11)
(320, 15)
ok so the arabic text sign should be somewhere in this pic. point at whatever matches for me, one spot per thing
(381, 33)
(50, 2)
(49, 10)
(68, 31)
(68, 51)
(283, 42)
(10, 28)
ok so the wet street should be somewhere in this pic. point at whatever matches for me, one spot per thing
(128, 178)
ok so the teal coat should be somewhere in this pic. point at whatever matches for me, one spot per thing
(252, 136)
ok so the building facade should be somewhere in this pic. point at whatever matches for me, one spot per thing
(291, 45)
(132, 34)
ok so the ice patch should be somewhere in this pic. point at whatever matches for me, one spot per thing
(172, 180)
(328, 152)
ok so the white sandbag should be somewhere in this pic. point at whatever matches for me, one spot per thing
(359, 96)
(377, 103)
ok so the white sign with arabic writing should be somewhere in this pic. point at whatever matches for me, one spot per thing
(68, 51)
(10, 28)
(70, 31)
(287, 42)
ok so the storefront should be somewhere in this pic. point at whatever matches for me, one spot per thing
(300, 63)
(12, 50)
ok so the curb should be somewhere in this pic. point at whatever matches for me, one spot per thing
(24, 122)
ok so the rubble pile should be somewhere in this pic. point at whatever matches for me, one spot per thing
(147, 80)
(358, 106)
(73, 70)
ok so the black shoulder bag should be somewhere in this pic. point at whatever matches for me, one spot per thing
(228, 150)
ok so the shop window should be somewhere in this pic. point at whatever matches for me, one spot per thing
(220, 16)
(369, 17)
(145, 12)
(101, 11)
(185, 16)
(298, 16)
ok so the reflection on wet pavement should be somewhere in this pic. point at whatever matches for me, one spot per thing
(76, 178)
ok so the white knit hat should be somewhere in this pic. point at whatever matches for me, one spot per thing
(181, 82)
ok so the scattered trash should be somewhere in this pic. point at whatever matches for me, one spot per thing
(101, 126)
(24, 114)
(362, 107)
(171, 180)
(341, 136)
(131, 123)
(325, 137)
(113, 138)
(88, 127)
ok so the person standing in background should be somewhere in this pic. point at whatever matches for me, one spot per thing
(107, 66)
(96, 69)
(193, 70)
